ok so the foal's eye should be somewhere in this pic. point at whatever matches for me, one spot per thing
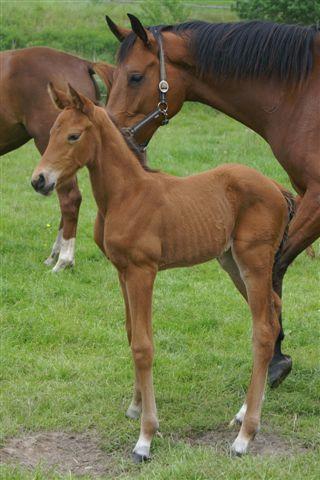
(73, 137)
(135, 78)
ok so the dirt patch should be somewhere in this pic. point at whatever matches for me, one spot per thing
(265, 443)
(80, 454)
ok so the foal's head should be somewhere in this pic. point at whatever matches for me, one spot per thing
(135, 83)
(71, 144)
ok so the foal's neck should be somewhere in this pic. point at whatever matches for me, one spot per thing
(115, 170)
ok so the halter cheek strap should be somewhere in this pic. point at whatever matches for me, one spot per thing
(162, 108)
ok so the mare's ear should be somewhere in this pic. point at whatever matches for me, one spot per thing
(59, 98)
(80, 102)
(119, 32)
(139, 30)
(105, 72)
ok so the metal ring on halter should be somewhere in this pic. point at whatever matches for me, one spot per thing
(163, 107)
(163, 86)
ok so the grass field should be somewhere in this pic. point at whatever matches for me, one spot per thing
(65, 363)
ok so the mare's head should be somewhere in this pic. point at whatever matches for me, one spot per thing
(72, 141)
(135, 83)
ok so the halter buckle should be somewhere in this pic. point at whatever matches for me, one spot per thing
(163, 86)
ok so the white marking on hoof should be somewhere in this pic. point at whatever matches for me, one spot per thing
(133, 411)
(142, 447)
(238, 419)
(66, 256)
(55, 249)
(240, 445)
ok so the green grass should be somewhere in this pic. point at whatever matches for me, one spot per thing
(65, 363)
(79, 26)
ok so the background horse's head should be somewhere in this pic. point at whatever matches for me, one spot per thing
(71, 141)
(135, 86)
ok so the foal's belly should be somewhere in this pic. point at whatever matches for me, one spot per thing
(189, 239)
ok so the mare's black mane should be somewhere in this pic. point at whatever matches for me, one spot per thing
(244, 49)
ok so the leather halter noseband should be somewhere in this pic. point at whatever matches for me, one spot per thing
(162, 108)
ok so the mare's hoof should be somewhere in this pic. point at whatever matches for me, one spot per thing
(50, 260)
(137, 458)
(279, 369)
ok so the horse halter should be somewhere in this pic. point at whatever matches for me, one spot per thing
(162, 108)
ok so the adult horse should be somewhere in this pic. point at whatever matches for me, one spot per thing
(26, 112)
(149, 221)
(265, 75)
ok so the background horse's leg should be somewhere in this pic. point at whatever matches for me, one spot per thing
(304, 229)
(255, 264)
(134, 409)
(69, 199)
(139, 287)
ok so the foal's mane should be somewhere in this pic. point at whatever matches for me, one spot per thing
(244, 49)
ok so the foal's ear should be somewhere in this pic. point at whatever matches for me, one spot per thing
(139, 30)
(119, 32)
(59, 98)
(80, 102)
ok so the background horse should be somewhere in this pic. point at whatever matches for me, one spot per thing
(265, 75)
(26, 112)
(149, 221)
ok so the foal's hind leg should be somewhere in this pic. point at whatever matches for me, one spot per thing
(255, 264)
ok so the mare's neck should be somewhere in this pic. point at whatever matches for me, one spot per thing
(250, 101)
(114, 171)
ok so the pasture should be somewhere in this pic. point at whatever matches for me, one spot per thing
(66, 366)
(66, 370)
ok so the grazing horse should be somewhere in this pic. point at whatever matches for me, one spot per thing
(26, 112)
(149, 221)
(265, 75)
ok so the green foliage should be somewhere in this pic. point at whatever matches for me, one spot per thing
(284, 11)
(165, 12)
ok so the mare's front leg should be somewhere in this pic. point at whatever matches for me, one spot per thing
(255, 264)
(63, 249)
(135, 407)
(138, 283)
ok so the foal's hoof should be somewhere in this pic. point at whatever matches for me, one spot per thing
(50, 260)
(279, 369)
(133, 413)
(137, 458)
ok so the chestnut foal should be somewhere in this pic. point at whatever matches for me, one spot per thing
(149, 221)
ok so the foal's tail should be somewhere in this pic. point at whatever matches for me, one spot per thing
(292, 208)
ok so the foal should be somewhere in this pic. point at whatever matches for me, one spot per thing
(150, 221)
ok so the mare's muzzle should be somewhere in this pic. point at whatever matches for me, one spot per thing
(41, 185)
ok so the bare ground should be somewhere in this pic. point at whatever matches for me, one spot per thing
(265, 443)
(81, 454)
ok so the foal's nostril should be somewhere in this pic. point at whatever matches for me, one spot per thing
(39, 183)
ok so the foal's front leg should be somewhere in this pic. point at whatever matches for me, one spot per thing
(139, 287)
(135, 407)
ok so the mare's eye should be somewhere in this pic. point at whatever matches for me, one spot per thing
(73, 137)
(135, 78)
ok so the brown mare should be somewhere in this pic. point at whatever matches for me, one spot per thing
(26, 112)
(149, 221)
(265, 75)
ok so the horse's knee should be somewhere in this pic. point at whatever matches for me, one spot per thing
(142, 354)
(70, 204)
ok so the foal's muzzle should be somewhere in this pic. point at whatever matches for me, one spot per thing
(40, 185)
